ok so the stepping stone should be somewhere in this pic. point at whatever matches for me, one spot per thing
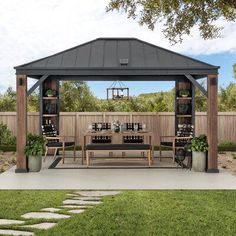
(44, 215)
(97, 193)
(45, 226)
(15, 232)
(87, 198)
(77, 211)
(76, 206)
(51, 209)
(72, 195)
(10, 222)
(80, 202)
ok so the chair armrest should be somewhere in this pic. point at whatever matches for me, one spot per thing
(55, 138)
(167, 137)
(189, 137)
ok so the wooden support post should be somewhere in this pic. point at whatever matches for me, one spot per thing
(212, 133)
(21, 89)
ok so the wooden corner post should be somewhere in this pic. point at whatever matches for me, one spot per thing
(212, 123)
(21, 90)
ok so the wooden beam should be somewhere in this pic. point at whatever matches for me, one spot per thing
(212, 123)
(196, 84)
(39, 82)
(21, 90)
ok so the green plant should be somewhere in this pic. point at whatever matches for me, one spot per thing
(50, 92)
(227, 146)
(34, 145)
(233, 155)
(6, 137)
(199, 144)
(184, 92)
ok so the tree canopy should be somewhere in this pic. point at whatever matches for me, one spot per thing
(179, 17)
(77, 97)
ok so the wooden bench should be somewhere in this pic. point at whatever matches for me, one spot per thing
(115, 147)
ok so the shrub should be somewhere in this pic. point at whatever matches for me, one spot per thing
(35, 145)
(227, 146)
(6, 137)
(199, 144)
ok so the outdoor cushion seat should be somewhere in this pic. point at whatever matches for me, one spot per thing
(60, 144)
(118, 147)
(170, 144)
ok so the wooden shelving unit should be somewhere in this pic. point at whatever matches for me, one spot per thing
(49, 105)
(184, 106)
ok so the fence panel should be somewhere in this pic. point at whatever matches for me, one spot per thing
(161, 123)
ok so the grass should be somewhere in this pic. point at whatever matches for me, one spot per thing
(134, 213)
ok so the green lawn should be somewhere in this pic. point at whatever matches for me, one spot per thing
(134, 213)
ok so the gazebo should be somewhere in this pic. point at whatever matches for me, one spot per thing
(115, 59)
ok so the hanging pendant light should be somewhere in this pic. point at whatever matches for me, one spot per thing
(117, 91)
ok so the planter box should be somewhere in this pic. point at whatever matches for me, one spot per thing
(199, 161)
(34, 163)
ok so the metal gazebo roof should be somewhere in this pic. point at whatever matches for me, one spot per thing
(129, 57)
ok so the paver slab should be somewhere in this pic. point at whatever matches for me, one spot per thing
(80, 202)
(51, 209)
(97, 193)
(87, 198)
(72, 195)
(45, 226)
(15, 232)
(44, 215)
(76, 206)
(10, 222)
(76, 211)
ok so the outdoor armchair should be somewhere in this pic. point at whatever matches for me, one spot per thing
(57, 142)
(183, 137)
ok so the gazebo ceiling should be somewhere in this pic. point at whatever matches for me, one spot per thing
(115, 58)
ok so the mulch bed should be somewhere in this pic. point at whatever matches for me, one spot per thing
(226, 161)
(7, 160)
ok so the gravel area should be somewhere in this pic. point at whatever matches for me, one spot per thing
(7, 160)
(226, 161)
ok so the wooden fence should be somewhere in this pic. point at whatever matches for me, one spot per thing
(161, 123)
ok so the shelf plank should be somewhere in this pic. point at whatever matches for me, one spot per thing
(50, 98)
(49, 115)
(183, 98)
(183, 116)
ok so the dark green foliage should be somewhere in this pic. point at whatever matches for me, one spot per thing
(199, 144)
(179, 17)
(6, 137)
(77, 97)
(227, 146)
(34, 145)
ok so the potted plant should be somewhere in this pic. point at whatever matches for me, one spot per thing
(199, 147)
(50, 93)
(34, 150)
(184, 93)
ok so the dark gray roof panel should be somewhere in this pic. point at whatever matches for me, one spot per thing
(96, 56)
(105, 53)
(69, 58)
(83, 56)
(110, 53)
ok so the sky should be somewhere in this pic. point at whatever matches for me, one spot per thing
(32, 29)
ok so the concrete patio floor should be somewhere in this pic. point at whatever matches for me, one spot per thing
(144, 178)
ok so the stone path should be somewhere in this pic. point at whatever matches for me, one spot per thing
(10, 222)
(15, 232)
(76, 203)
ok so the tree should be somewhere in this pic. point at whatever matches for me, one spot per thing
(8, 100)
(179, 17)
(76, 96)
(234, 69)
